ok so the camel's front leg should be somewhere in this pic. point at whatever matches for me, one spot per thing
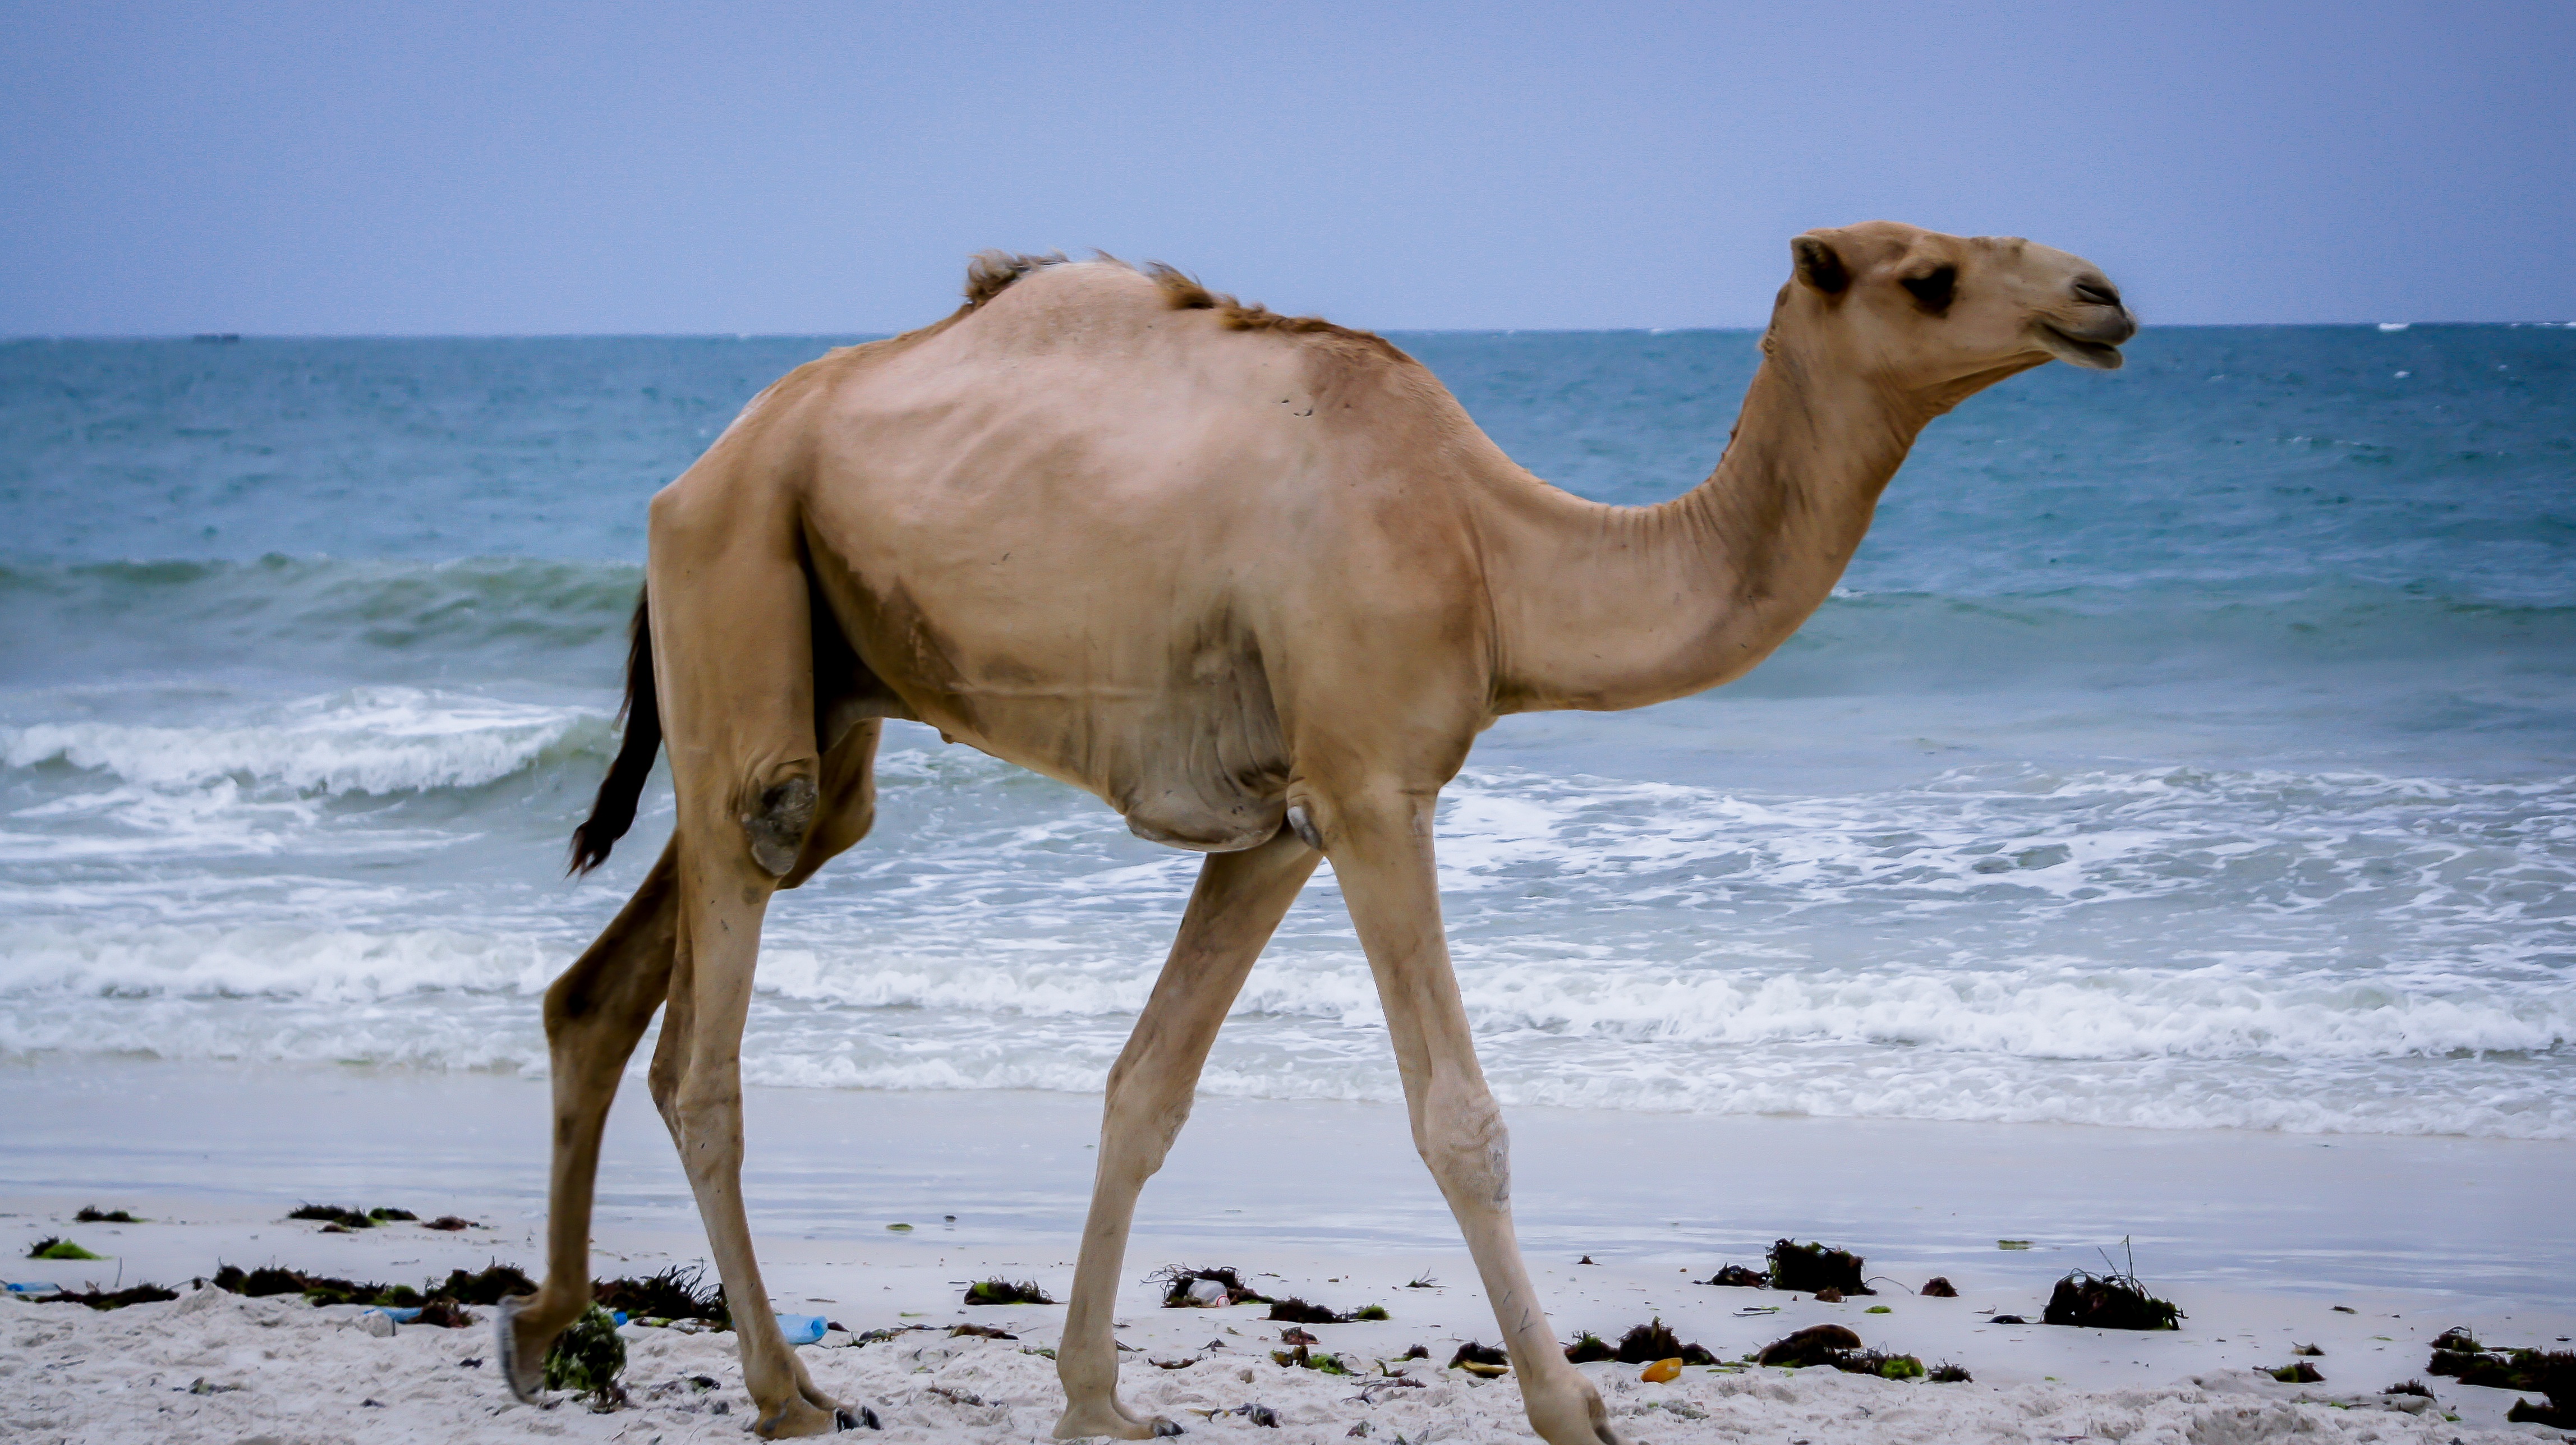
(1238, 902)
(1380, 844)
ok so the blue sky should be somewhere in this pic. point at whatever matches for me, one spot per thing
(784, 167)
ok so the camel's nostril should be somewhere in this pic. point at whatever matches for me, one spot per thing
(2100, 293)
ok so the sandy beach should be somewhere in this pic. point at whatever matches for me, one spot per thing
(2363, 1248)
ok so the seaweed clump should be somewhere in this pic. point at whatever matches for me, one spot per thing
(1641, 1345)
(1946, 1373)
(487, 1286)
(99, 1299)
(1837, 1348)
(2551, 1373)
(258, 1283)
(55, 1247)
(1814, 1268)
(1480, 1359)
(2458, 1354)
(1738, 1277)
(440, 1304)
(1295, 1311)
(1007, 1292)
(677, 1293)
(1589, 1348)
(332, 1214)
(587, 1358)
(318, 1289)
(1884, 1366)
(1938, 1287)
(443, 1313)
(2297, 1372)
(2108, 1302)
(1814, 1345)
(92, 1214)
(1180, 1287)
(1304, 1357)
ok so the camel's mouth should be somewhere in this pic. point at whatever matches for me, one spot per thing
(2078, 351)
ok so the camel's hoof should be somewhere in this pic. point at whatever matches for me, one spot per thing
(799, 1417)
(1164, 1427)
(505, 1351)
(859, 1418)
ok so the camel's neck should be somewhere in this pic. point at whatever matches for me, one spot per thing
(1612, 607)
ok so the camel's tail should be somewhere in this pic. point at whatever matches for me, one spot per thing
(613, 812)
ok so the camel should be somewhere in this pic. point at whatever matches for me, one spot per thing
(1256, 582)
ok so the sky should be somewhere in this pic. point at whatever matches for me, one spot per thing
(777, 167)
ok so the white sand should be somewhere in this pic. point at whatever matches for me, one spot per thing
(213, 1366)
(305, 1374)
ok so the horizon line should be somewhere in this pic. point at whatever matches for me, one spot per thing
(234, 337)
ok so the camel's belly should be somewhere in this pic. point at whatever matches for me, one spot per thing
(1206, 773)
(1179, 734)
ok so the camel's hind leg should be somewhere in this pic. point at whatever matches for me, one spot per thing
(1238, 902)
(733, 654)
(595, 1013)
(846, 814)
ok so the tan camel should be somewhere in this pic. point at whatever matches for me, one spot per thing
(1257, 583)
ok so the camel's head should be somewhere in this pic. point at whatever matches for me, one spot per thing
(1946, 315)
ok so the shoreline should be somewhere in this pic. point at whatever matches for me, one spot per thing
(2477, 1221)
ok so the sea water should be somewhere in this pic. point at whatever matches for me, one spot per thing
(2187, 747)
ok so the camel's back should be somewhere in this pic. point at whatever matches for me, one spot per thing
(1144, 374)
(1089, 524)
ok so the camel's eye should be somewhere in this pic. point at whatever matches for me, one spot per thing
(1932, 289)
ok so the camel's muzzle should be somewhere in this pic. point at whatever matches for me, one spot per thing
(2092, 333)
(2089, 340)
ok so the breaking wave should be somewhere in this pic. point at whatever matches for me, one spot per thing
(364, 741)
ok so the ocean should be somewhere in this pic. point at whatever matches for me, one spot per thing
(2188, 747)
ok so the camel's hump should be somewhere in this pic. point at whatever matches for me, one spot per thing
(990, 273)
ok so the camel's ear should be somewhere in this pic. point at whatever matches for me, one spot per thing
(1820, 266)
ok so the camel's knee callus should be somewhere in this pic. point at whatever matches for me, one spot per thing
(777, 815)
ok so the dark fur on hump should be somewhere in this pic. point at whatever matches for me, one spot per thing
(1185, 293)
(991, 273)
